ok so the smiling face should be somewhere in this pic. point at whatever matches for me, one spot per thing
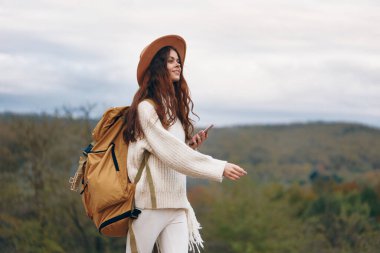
(174, 66)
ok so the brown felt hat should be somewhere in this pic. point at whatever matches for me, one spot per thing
(151, 50)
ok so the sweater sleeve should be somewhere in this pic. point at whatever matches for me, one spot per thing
(173, 151)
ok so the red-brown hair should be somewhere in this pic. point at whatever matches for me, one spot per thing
(172, 99)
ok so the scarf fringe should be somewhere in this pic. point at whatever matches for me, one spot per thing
(195, 239)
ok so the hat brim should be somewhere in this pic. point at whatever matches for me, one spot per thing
(151, 50)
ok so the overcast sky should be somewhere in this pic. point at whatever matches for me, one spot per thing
(267, 61)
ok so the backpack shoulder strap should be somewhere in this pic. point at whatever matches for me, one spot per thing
(149, 178)
(142, 166)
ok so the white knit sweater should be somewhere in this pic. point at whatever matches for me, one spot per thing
(170, 161)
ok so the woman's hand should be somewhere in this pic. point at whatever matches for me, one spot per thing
(233, 172)
(198, 139)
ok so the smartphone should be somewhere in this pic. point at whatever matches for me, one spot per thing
(205, 130)
(208, 128)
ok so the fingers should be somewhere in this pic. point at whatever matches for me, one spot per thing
(232, 177)
(238, 170)
(198, 139)
(203, 135)
(194, 139)
(233, 171)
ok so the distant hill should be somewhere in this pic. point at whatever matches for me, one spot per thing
(292, 152)
(286, 153)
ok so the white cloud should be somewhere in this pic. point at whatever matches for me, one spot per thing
(285, 57)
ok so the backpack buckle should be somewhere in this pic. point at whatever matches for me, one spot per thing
(87, 149)
(135, 213)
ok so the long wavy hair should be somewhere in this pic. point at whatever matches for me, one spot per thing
(172, 99)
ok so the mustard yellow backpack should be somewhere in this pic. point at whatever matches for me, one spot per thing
(102, 177)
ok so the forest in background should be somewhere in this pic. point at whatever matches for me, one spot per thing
(311, 187)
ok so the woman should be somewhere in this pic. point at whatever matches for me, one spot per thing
(158, 122)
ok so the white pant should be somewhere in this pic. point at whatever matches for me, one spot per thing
(166, 226)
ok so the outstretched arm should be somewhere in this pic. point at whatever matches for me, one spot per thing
(180, 156)
(175, 152)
